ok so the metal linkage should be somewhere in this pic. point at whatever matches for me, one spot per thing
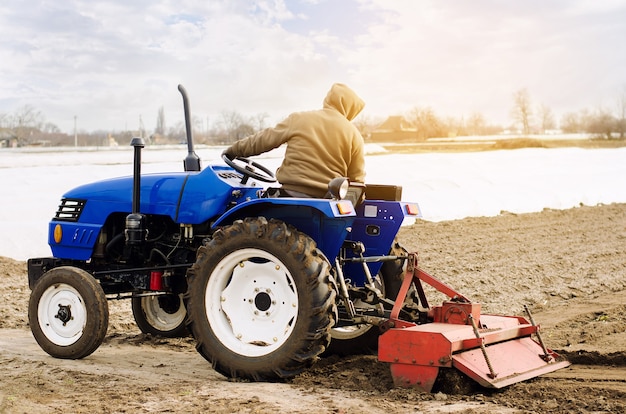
(492, 374)
(344, 291)
(546, 355)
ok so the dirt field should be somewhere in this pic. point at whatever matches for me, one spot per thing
(568, 266)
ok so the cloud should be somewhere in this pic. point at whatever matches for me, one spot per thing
(460, 56)
(110, 62)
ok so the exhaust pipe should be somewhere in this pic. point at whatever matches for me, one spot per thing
(192, 161)
(137, 144)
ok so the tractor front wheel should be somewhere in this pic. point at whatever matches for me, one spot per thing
(68, 313)
(260, 301)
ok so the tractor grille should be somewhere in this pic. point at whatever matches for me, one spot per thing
(229, 175)
(70, 209)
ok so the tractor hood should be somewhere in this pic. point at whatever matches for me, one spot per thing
(187, 197)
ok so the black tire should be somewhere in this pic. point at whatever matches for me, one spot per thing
(393, 271)
(68, 313)
(363, 339)
(260, 301)
(160, 315)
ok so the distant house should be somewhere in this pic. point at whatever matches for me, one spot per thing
(394, 129)
(7, 139)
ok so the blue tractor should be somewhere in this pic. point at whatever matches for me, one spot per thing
(262, 282)
(265, 284)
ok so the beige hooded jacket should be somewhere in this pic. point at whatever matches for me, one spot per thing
(321, 144)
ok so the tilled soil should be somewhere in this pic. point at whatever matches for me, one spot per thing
(568, 267)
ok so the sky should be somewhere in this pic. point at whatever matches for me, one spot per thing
(446, 186)
(109, 64)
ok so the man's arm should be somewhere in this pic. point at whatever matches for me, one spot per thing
(263, 141)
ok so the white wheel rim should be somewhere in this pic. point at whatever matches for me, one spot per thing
(62, 314)
(349, 332)
(354, 331)
(158, 318)
(251, 305)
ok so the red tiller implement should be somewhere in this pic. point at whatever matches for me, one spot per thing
(495, 351)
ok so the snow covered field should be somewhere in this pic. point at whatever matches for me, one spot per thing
(446, 185)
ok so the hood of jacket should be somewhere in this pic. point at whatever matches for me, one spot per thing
(343, 99)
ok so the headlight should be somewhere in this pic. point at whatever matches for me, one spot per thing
(338, 187)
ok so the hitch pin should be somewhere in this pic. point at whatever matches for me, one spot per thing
(546, 355)
(492, 374)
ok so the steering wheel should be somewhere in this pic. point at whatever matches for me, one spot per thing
(249, 169)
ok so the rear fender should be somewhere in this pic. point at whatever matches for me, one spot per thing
(328, 222)
(376, 226)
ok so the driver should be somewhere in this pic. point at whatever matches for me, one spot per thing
(321, 145)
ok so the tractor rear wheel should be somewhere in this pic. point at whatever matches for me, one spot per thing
(160, 315)
(260, 301)
(68, 313)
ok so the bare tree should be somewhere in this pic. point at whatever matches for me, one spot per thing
(26, 121)
(366, 125)
(570, 123)
(602, 123)
(177, 132)
(243, 131)
(546, 117)
(475, 124)
(522, 109)
(452, 127)
(50, 128)
(4, 121)
(258, 121)
(228, 122)
(426, 123)
(233, 126)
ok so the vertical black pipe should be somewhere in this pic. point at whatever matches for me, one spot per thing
(192, 161)
(137, 144)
